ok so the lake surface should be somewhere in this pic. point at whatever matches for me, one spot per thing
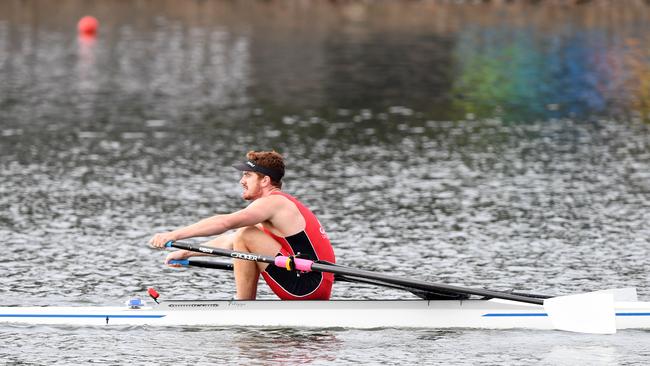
(499, 146)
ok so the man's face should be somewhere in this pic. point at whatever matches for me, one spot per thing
(252, 184)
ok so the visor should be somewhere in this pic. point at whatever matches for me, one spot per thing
(249, 166)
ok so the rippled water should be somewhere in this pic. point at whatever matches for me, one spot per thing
(477, 150)
(287, 346)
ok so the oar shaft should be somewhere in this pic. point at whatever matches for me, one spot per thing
(228, 266)
(423, 285)
(307, 265)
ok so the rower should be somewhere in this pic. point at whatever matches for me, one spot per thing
(274, 223)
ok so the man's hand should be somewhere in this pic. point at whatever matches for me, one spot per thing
(177, 255)
(159, 240)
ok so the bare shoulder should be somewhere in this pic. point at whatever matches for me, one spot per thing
(284, 216)
(276, 211)
(273, 201)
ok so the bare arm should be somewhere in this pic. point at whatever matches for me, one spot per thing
(259, 211)
(214, 225)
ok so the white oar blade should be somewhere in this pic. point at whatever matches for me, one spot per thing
(583, 313)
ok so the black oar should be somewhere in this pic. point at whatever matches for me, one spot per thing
(306, 265)
(228, 266)
(203, 264)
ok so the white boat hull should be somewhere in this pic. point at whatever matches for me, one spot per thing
(487, 314)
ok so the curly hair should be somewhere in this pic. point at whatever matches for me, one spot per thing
(268, 159)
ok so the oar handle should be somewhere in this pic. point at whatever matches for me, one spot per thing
(181, 262)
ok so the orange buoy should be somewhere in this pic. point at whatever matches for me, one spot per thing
(88, 25)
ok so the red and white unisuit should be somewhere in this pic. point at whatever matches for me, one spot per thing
(311, 243)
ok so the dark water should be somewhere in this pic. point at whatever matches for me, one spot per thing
(504, 146)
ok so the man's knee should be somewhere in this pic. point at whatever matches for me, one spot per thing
(253, 239)
(243, 235)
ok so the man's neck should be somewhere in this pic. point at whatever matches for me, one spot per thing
(270, 190)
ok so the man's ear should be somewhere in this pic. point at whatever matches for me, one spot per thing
(266, 180)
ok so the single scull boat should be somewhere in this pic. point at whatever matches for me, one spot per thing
(441, 306)
(433, 314)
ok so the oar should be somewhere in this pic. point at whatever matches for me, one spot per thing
(306, 265)
(586, 313)
(204, 264)
(228, 266)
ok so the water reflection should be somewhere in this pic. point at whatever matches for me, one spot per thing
(532, 75)
(581, 355)
(87, 67)
(297, 346)
(213, 59)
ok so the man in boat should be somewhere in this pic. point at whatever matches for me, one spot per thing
(274, 223)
